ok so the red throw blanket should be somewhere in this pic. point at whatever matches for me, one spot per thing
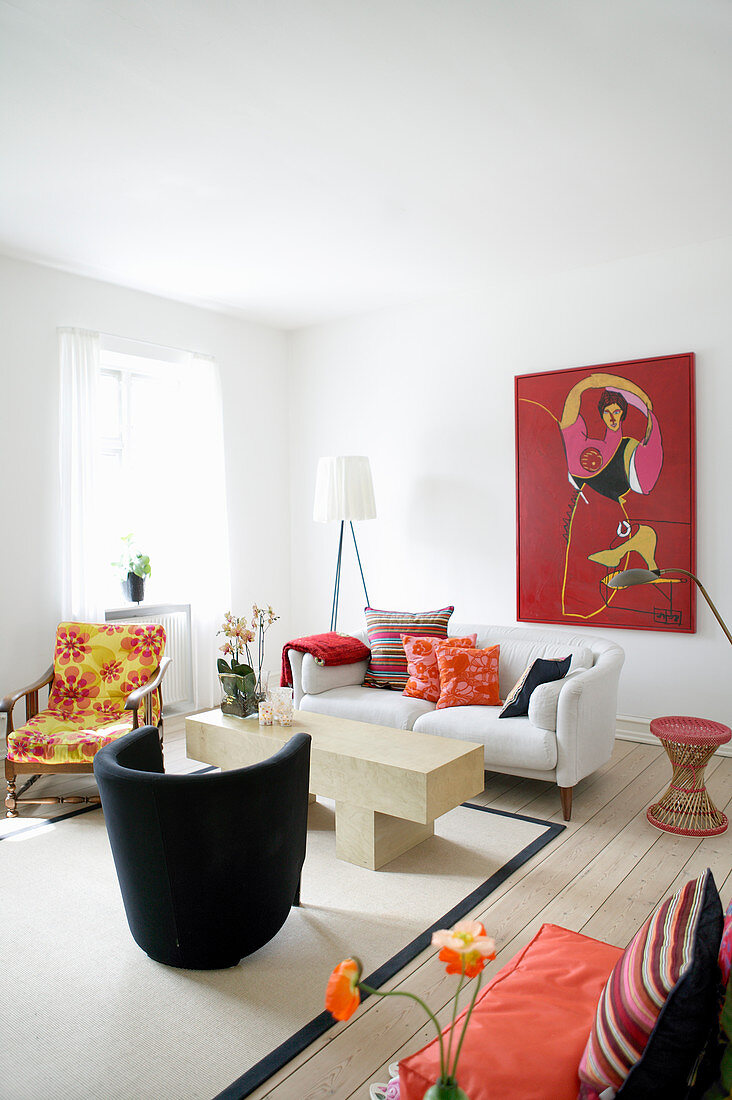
(327, 649)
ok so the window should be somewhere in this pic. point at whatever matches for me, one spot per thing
(141, 452)
(139, 401)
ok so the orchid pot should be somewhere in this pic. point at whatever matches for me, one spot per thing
(238, 694)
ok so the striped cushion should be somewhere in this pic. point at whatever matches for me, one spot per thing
(658, 1005)
(388, 663)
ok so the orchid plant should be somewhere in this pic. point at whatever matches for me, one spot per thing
(465, 949)
(240, 634)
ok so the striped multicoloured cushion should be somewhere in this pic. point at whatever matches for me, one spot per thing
(658, 1005)
(388, 662)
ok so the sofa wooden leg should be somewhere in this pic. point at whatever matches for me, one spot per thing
(565, 794)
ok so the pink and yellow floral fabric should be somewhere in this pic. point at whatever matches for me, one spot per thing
(96, 667)
(468, 677)
(424, 675)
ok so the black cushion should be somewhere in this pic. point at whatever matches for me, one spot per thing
(542, 671)
(208, 865)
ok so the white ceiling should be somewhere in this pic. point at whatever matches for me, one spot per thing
(297, 160)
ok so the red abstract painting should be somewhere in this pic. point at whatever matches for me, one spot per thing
(605, 482)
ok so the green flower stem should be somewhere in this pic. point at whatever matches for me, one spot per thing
(468, 1014)
(412, 997)
(454, 1014)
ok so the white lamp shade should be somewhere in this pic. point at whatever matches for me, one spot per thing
(344, 489)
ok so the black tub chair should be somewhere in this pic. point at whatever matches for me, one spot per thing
(208, 865)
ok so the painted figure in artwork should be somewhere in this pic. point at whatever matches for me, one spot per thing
(603, 472)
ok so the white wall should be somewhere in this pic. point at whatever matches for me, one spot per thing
(34, 301)
(427, 392)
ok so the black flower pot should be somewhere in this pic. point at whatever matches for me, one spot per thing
(134, 588)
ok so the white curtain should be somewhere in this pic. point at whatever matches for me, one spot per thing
(79, 369)
(202, 558)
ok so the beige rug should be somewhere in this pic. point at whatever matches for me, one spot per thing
(86, 1014)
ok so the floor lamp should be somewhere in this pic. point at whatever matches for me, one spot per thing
(344, 491)
(686, 808)
(630, 577)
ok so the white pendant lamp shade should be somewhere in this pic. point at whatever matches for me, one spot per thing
(344, 489)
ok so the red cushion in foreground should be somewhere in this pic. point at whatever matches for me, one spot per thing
(530, 1024)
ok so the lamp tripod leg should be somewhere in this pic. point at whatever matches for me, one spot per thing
(337, 585)
(358, 556)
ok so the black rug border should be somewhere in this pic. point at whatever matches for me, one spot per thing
(262, 1070)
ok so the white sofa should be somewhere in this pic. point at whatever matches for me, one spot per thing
(569, 730)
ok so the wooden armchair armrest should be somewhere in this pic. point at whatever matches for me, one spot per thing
(31, 698)
(135, 698)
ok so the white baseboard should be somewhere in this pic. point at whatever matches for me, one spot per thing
(630, 728)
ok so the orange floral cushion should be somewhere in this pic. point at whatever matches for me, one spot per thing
(424, 675)
(54, 738)
(96, 666)
(468, 677)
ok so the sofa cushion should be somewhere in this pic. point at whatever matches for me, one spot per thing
(547, 992)
(388, 662)
(510, 743)
(424, 674)
(517, 653)
(540, 671)
(361, 704)
(468, 677)
(659, 1004)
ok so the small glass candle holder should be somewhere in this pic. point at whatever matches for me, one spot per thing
(282, 703)
(265, 713)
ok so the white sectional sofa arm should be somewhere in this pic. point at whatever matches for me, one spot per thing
(311, 678)
(586, 718)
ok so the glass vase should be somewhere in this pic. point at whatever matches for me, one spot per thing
(446, 1088)
(234, 697)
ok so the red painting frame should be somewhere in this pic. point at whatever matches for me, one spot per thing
(605, 481)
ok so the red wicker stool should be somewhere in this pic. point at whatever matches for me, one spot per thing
(686, 808)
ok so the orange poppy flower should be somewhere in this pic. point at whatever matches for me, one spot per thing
(342, 996)
(465, 948)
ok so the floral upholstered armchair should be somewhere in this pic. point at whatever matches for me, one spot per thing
(102, 674)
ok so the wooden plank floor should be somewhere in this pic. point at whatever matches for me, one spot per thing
(601, 877)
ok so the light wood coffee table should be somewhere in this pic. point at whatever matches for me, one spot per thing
(388, 785)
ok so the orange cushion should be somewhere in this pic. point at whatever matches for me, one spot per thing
(530, 1024)
(424, 675)
(468, 677)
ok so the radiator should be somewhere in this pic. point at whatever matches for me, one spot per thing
(178, 694)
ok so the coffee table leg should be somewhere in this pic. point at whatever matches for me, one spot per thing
(370, 839)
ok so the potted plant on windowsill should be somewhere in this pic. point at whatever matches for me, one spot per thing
(135, 568)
